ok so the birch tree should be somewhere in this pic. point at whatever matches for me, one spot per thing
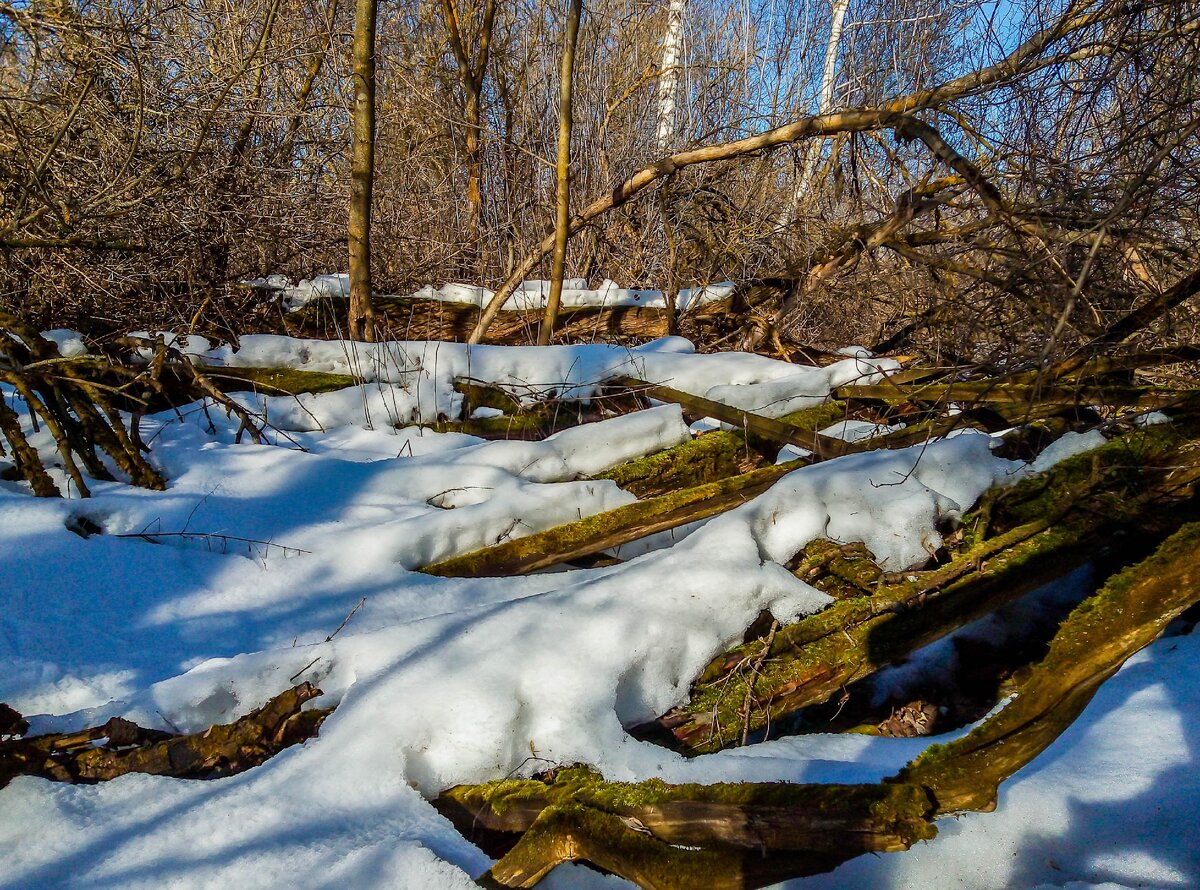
(669, 79)
(812, 151)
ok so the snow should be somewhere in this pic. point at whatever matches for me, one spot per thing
(1067, 445)
(530, 294)
(1107, 804)
(70, 343)
(413, 380)
(859, 430)
(306, 290)
(442, 681)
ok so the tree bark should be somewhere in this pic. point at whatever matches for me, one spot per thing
(471, 74)
(562, 220)
(362, 172)
(668, 84)
(824, 105)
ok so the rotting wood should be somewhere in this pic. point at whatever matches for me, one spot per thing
(623, 525)
(729, 823)
(1016, 540)
(710, 456)
(690, 836)
(604, 531)
(1013, 394)
(751, 424)
(706, 458)
(276, 381)
(1131, 610)
(220, 750)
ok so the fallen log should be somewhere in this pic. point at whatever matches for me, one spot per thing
(120, 747)
(623, 525)
(691, 836)
(706, 458)
(994, 391)
(752, 425)
(675, 836)
(1015, 541)
(1101, 634)
(276, 381)
(711, 456)
(604, 531)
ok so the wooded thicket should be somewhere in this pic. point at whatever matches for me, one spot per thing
(968, 179)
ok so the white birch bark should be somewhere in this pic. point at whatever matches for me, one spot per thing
(669, 80)
(812, 152)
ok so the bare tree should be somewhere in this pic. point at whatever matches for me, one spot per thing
(362, 176)
(472, 71)
(825, 100)
(562, 219)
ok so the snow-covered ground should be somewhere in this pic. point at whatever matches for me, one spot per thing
(441, 681)
(530, 294)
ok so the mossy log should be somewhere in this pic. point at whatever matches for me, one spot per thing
(604, 531)
(1130, 611)
(1015, 541)
(219, 750)
(711, 456)
(674, 836)
(276, 381)
(752, 425)
(993, 391)
(707, 458)
(690, 836)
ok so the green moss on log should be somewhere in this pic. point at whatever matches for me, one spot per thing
(1128, 613)
(1066, 512)
(285, 381)
(706, 458)
(595, 534)
(817, 417)
(1119, 466)
(478, 395)
(753, 815)
(509, 426)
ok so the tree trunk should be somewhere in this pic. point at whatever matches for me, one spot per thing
(562, 219)
(824, 103)
(471, 73)
(474, 151)
(668, 84)
(362, 172)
